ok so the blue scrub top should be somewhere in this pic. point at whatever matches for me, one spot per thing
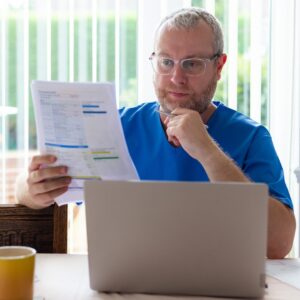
(248, 143)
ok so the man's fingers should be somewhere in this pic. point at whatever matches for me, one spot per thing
(43, 201)
(39, 160)
(174, 141)
(171, 133)
(58, 192)
(49, 185)
(46, 173)
(47, 199)
(166, 121)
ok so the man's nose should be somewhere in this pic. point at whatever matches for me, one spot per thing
(178, 76)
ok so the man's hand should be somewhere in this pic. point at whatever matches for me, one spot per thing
(187, 129)
(43, 182)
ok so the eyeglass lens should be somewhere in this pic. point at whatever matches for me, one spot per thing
(193, 66)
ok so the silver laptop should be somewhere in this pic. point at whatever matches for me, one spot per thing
(177, 238)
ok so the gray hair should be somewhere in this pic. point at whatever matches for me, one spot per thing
(188, 18)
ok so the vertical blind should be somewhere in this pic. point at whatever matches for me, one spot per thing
(284, 109)
(103, 40)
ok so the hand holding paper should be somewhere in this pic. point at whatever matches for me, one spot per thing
(79, 123)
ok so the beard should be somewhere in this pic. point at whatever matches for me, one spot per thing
(198, 103)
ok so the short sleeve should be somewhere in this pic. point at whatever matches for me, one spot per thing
(262, 164)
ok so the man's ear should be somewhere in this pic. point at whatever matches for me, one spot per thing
(220, 64)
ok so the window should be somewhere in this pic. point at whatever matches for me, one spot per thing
(103, 40)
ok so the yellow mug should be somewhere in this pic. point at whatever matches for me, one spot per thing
(16, 272)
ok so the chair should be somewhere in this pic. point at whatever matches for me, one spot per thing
(44, 229)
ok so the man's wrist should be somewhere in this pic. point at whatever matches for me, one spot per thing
(208, 154)
(219, 166)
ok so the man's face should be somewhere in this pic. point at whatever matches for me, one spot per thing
(178, 89)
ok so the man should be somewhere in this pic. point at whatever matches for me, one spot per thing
(187, 136)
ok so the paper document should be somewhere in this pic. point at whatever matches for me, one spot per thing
(286, 270)
(80, 124)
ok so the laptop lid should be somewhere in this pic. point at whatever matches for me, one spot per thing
(182, 238)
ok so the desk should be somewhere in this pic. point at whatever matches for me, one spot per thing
(65, 277)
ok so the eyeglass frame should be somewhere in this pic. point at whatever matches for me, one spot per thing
(176, 61)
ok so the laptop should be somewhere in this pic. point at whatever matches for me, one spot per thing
(177, 238)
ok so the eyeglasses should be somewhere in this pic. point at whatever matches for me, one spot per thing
(190, 66)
